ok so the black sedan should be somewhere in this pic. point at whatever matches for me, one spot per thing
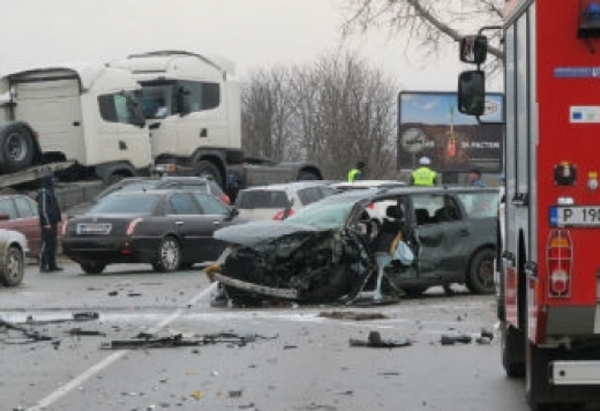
(170, 229)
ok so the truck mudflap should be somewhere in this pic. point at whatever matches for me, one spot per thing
(575, 373)
(258, 289)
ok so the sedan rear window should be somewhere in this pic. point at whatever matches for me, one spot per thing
(126, 204)
(262, 199)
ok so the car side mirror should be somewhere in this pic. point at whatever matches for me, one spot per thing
(233, 212)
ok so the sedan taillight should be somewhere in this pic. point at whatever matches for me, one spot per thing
(131, 226)
(225, 198)
(281, 214)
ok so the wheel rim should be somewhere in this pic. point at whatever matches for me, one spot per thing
(16, 147)
(169, 254)
(485, 274)
(14, 266)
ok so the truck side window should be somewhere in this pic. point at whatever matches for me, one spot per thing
(201, 95)
(117, 108)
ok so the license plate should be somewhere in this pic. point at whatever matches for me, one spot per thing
(579, 216)
(94, 228)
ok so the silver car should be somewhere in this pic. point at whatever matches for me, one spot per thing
(13, 251)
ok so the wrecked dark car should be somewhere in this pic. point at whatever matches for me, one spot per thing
(332, 250)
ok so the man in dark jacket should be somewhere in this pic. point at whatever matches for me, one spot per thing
(50, 216)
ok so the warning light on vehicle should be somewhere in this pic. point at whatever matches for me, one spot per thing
(565, 174)
(589, 18)
(559, 258)
(592, 182)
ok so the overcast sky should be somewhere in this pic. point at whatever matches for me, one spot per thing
(252, 33)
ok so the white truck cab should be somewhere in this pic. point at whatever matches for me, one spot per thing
(84, 112)
(192, 102)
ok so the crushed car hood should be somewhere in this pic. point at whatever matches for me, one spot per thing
(258, 232)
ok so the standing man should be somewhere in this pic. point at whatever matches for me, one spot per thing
(50, 215)
(356, 173)
(423, 175)
(475, 179)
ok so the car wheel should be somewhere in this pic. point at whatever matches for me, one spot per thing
(17, 146)
(93, 268)
(168, 255)
(480, 277)
(14, 267)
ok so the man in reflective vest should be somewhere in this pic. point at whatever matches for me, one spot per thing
(356, 173)
(423, 175)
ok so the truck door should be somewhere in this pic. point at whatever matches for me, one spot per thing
(50, 103)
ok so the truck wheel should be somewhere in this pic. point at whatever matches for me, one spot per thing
(92, 268)
(168, 255)
(207, 169)
(16, 147)
(14, 267)
(512, 341)
(307, 175)
(480, 277)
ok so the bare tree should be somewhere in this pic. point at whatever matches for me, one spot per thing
(267, 106)
(334, 113)
(429, 23)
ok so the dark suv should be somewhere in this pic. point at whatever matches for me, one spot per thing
(331, 249)
(204, 185)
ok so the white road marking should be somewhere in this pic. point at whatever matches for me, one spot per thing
(96, 368)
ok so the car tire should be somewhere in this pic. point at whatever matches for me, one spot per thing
(17, 145)
(480, 277)
(14, 267)
(168, 255)
(92, 268)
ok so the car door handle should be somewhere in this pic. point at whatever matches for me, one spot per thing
(464, 232)
(216, 222)
(179, 223)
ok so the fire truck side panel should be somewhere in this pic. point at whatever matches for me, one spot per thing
(568, 131)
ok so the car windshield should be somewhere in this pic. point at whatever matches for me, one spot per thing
(330, 215)
(140, 203)
(262, 199)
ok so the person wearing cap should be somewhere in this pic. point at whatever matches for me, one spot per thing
(50, 216)
(475, 179)
(423, 175)
(356, 173)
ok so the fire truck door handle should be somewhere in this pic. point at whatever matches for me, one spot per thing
(509, 257)
(520, 200)
(203, 133)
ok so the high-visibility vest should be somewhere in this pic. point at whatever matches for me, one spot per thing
(423, 176)
(352, 174)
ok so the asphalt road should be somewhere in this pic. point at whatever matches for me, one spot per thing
(297, 358)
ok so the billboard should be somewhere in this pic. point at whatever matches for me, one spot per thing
(430, 125)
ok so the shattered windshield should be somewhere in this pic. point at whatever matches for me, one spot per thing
(323, 216)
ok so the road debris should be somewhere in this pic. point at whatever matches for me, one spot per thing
(29, 334)
(375, 341)
(351, 315)
(144, 340)
(79, 331)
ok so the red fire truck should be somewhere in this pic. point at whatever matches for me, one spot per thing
(549, 277)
